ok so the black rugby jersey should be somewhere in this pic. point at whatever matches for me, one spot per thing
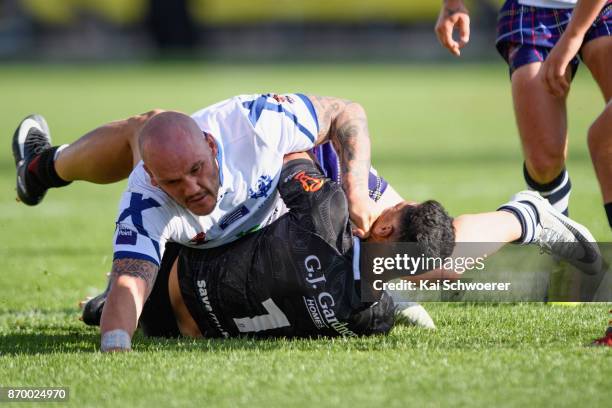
(293, 278)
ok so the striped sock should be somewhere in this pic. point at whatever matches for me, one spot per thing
(557, 192)
(527, 216)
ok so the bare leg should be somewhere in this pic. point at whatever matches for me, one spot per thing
(104, 155)
(542, 123)
(597, 55)
(600, 146)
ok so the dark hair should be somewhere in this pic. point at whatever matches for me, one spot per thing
(429, 225)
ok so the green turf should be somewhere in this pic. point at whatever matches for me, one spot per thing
(443, 132)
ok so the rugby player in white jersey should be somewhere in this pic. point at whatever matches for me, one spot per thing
(209, 179)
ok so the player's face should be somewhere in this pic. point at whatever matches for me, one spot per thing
(192, 181)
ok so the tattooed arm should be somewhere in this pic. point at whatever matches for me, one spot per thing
(344, 123)
(453, 15)
(131, 283)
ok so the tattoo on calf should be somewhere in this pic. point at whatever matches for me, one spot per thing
(137, 268)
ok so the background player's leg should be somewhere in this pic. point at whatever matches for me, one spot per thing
(542, 124)
(104, 155)
(597, 55)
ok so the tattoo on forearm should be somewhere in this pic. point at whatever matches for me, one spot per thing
(346, 136)
(137, 268)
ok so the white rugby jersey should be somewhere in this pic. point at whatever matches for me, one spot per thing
(550, 3)
(253, 133)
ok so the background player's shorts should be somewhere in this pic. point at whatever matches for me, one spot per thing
(526, 34)
(329, 162)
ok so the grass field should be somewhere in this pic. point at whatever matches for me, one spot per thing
(443, 132)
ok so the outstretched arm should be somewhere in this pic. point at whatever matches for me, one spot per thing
(553, 71)
(453, 15)
(131, 283)
(345, 124)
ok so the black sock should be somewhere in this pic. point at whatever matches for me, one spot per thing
(608, 207)
(557, 192)
(42, 168)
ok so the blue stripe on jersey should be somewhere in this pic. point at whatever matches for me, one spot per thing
(310, 107)
(137, 206)
(356, 251)
(133, 255)
(260, 104)
(255, 108)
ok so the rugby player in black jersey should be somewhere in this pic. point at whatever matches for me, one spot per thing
(294, 278)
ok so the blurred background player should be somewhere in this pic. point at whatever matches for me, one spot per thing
(527, 31)
(553, 75)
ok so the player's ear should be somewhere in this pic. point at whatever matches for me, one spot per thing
(211, 143)
(383, 230)
(151, 176)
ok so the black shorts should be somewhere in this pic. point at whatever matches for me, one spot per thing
(157, 318)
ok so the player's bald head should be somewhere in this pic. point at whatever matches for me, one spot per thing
(180, 159)
(169, 134)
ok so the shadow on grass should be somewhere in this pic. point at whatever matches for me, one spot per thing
(40, 343)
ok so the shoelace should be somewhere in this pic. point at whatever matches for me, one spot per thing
(37, 141)
(550, 237)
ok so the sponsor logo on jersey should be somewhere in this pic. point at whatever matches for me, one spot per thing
(309, 184)
(199, 239)
(264, 184)
(321, 308)
(126, 236)
(230, 218)
(313, 310)
(211, 314)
